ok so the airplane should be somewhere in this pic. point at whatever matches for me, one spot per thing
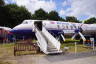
(4, 31)
(5, 28)
(46, 32)
(26, 28)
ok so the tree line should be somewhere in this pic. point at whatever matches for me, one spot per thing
(12, 15)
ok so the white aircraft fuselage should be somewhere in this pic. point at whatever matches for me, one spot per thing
(26, 28)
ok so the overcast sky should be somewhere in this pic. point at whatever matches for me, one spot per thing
(82, 9)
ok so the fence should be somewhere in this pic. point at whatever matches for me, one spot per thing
(25, 47)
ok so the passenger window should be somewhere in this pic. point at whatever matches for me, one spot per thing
(74, 26)
(66, 27)
(71, 27)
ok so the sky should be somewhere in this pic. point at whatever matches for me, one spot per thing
(82, 9)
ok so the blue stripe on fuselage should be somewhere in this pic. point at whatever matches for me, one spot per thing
(29, 33)
(23, 33)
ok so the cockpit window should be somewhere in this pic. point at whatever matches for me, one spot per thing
(25, 22)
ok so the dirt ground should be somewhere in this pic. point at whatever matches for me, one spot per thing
(49, 59)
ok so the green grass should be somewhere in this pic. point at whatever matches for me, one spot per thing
(6, 50)
(6, 45)
(71, 41)
(25, 52)
(80, 47)
(2, 62)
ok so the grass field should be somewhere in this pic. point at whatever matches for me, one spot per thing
(2, 62)
(80, 47)
(6, 48)
(6, 51)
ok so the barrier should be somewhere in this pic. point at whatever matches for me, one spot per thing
(25, 47)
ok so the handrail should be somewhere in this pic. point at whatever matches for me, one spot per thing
(41, 40)
(50, 38)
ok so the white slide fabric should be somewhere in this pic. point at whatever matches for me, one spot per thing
(47, 43)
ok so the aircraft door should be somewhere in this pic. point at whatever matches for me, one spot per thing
(38, 25)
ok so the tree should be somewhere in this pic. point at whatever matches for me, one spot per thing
(40, 15)
(13, 15)
(53, 15)
(62, 19)
(72, 19)
(2, 2)
(90, 20)
(3, 16)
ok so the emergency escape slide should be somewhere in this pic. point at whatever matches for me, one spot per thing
(47, 43)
